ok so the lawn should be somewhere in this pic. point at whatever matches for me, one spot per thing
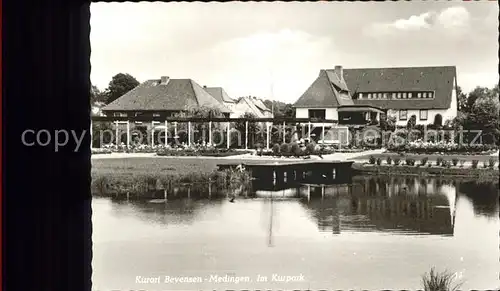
(431, 157)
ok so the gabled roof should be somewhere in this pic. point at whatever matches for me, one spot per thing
(259, 104)
(326, 91)
(440, 80)
(219, 94)
(252, 105)
(174, 95)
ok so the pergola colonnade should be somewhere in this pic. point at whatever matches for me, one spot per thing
(268, 124)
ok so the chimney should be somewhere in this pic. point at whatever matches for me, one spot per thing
(164, 80)
(339, 72)
(204, 86)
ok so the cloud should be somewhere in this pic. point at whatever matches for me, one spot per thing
(455, 18)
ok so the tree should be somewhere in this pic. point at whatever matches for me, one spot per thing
(119, 85)
(461, 99)
(96, 95)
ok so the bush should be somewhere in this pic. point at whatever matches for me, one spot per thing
(461, 162)
(423, 161)
(397, 161)
(285, 149)
(295, 149)
(372, 160)
(410, 162)
(474, 164)
(439, 281)
(439, 161)
(379, 161)
(492, 163)
(485, 164)
(455, 162)
(389, 160)
(276, 149)
(310, 148)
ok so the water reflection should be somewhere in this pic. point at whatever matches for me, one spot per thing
(388, 229)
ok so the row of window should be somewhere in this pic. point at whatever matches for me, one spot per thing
(403, 114)
(396, 95)
(123, 114)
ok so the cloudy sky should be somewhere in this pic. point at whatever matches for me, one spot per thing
(275, 50)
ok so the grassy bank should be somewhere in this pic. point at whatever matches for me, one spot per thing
(433, 171)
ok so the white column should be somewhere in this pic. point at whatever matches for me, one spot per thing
(175, 133)
(309, 131)
(323, 134)
(210, 132)
(228, 134)
(166, 132)
(268, 137)
(284, 131)
(246, 134)
(152, 133)
(117, 138)
(189, 133)
(128, 133)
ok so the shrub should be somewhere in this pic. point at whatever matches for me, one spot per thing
(389, 160)
(455, 162)
(276, 149)
(439, 281)
(429, 165)
(423, 161)
(474, 164)
(485, 164)
(410, 162)
(439, 161)
(397, 161)
(311, 148)
(295, 149)
(379, 161)
(285, 149)
(492, 163)
(461, 162)
(372, 160)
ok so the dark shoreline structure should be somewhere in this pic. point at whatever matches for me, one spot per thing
(403, 170)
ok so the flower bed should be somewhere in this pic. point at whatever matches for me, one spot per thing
(421, 147)
(407, 165)
(101, 151)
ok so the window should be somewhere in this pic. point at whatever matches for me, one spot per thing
(369, 96)
(393, 95)
(156, 114)
(431, 94)
(409, 95)
(380, 95)
(399, 95)
(120, 114)
(404, 95)
(423, 114)
(419, 95)
(385, 96)
(317, 113)
(425, 94)
(360, 95)
(403, 114)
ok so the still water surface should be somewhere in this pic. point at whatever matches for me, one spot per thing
(380, 233)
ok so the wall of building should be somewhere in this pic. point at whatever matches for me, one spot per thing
(330, 113)
(447, 114)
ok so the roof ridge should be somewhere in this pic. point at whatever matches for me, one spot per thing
(409, 67)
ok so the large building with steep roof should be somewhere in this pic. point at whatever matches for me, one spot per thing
(428, 93)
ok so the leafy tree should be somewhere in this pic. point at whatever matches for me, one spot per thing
(119, 85)
(461, 99)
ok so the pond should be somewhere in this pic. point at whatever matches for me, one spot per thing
(376, 233)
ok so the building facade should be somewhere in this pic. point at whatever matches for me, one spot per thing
(428, 93)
